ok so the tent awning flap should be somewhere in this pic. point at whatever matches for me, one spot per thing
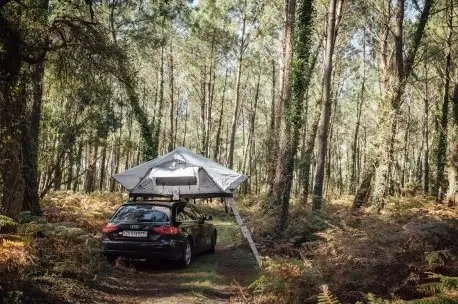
(210, 177)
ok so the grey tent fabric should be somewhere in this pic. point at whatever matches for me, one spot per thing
(180, 173)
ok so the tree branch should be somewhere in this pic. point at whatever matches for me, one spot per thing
(417, 37)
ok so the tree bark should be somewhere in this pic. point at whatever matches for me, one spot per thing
(453, 159)
(393, 77)
(216, 152)
(30, 142)
(426, 137)
(323, 127)
(272, 141)
(103, 167)
(441, 157)
(238, 80)
(309, 144)
(12, 110)
(171, 145)
(359, 108)
(283, 174)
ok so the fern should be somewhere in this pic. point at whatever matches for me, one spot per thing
(437, 291)
(438, 257)
(371, 299)
(7, 222)
(450, 282)
(439, 299)
(436, 288)
(432, 288)
(325, 297)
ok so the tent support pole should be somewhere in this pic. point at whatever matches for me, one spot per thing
(244, 228)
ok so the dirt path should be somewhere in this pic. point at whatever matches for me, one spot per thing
(212, 278)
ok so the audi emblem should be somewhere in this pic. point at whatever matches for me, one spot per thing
(134, 226)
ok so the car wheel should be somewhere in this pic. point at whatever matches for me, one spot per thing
(213, 243)
(186, 255)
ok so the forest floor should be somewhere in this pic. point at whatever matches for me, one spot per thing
(60, 261)
(212, 278)
(407, 254)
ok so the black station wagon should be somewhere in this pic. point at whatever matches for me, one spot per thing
(174, 230)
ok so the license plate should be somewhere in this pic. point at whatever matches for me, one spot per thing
(134, 233)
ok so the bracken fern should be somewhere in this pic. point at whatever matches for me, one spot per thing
(7, 222)
(326, 297)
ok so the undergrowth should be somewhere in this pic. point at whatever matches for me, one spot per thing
(408, 254)
(54, 258)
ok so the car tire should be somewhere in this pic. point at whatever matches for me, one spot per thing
(186, 256)
(213, 243)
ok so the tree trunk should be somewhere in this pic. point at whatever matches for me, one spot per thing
(171, 145)
(359, 108)
(405, 158)
(89, 185)
(30, 142)
(12, 110)
(71, 164)
(216, 152)
(283, 174)
(250, 142)
(307, 157)
(309, 144)
(323, 127)
(238, 80)
(103, 167)
(453, 159)
(394, 76)
(426, 137)
(203, 105)
(440, 184)
(272, 141)
(159, 113)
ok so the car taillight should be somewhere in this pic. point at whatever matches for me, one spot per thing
(110, 228)
(166, 230)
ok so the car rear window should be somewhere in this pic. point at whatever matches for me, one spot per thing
(142, 213)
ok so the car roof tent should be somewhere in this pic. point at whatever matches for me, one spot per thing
(180, 173)
(184, 174)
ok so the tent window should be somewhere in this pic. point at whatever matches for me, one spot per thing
(176, 181)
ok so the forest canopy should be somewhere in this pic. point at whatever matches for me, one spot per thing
(318, 98)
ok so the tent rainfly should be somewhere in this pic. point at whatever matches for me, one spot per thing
(184, 174)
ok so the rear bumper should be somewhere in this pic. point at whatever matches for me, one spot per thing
(165, 249)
